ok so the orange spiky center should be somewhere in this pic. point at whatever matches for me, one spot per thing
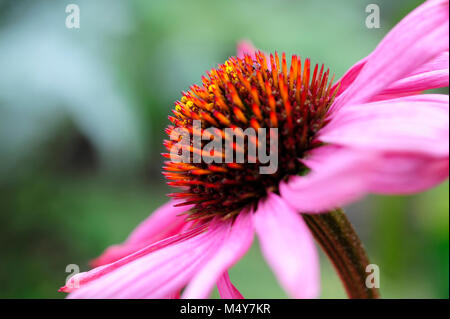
(242, 93)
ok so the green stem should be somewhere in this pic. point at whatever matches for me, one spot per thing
(336, 236)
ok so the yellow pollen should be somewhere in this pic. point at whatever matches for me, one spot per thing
(184, 99)
(229, 68)
(189, 104)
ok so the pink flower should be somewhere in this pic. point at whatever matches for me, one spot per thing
(378, 136)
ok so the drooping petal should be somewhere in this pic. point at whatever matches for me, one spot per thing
(336, 178)
(407, 173)
(437, 64)
(341, 175)
(383, 97)
(163, 223)
(349, 77)
(235, 244)
(419, 82)
(226, 289)
(84, 278)
(288, 247)
(416, 124)
(158, 274)
(175, 295)
(417, 39)
(160, 223)
(431, 75)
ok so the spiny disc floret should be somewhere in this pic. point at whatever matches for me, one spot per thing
(257, 92)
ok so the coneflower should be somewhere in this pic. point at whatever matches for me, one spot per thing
(371, 132)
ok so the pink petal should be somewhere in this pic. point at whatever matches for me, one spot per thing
(245, 47)
(341, 175)
(418, 124)
(382, 96)
(432, 75)
(226, 289)
(235, 244)
(349, 76)
(84, 278)
(417, 39)
(163, 223)
(436, 64)
(420, 82)
(288, 247)
(429, 76)
(407, 173)
(158, 274)
(175, 295)
(337, 177)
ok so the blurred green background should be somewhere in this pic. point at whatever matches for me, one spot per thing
(82, 113)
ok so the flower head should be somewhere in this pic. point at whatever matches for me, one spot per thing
(249, 92)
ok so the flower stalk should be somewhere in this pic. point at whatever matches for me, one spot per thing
(335, 234)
